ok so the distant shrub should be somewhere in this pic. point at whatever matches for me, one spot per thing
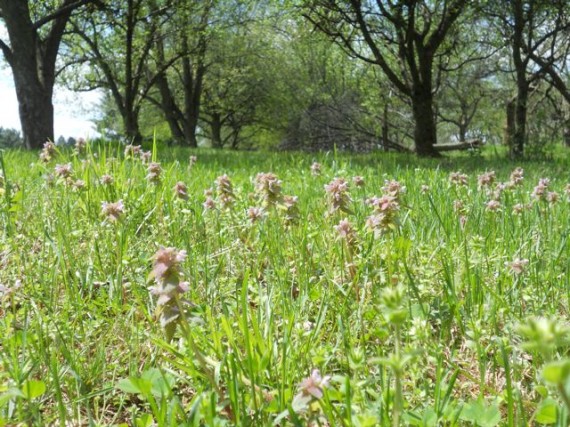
(10, 138)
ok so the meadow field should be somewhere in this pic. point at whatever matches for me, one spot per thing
(203, 288)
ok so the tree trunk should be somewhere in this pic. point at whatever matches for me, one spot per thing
(177, 134)
(35, 108)
(216, 127)
(520, 62)
(463, 129)
(520, 109)
(510, 124)
(385, 129)
(566, 130)
(425, 132)
(190, 125)
(33, 67)
(132, 131)
(169, 108)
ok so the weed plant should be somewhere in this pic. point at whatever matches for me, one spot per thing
(204, 288)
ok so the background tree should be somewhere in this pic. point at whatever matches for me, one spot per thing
(10, 138)
(35, 30)
(179, 83)
(114, 48)
(235, 84)
(535, 32)
(404, 39)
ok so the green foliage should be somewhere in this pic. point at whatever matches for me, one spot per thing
(320, 320)
(10, 138)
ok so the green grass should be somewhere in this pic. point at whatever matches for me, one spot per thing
(424, 324)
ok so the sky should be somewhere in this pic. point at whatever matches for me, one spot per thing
(73, 111)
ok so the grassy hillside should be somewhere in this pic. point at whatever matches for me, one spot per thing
(389, 290)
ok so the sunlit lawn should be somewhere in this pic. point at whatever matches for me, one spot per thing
(361, 290)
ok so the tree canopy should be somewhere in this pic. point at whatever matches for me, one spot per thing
(307, 74)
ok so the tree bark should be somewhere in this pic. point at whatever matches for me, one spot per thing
(520, 61)
(192, 95)
(35, 108)
(425, 132)
(385, 129)
(32, 57)
(216, 127)
(169, 108)
(463, 131)
(566, 131)
(182, 120)
(132, 130)
(190, 126)
(510, 124)
(519, 135)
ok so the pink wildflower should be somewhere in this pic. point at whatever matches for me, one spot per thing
(64, 171)
(458, 206)
(113, 211)
(552, 197)
(499, 188)
(146, 156)
(518, 209)
(132, 150)
(166, 263)
(181, 191)
(540, 191)
(291, 210)
(209, 204)
(457, 178)
(338, 196)
(268, 188)
(346, 232)
(517, 266)
(154, 171)
(225, 191)
(517, 177)
(385, 213)
(314, 385)
(255, 214)
(167, 275)
(78, 185)
(486, 179)
(493, 205)
(47, 152)
(107, 180)
(358, 181)
(393, 189)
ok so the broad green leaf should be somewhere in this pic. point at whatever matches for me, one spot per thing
(556, 372)
(128, 386)
(481, 415)
(33, 388)
(367, 420)
(547, 412)
(161, 384)
(490, 418)
(542, 390)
